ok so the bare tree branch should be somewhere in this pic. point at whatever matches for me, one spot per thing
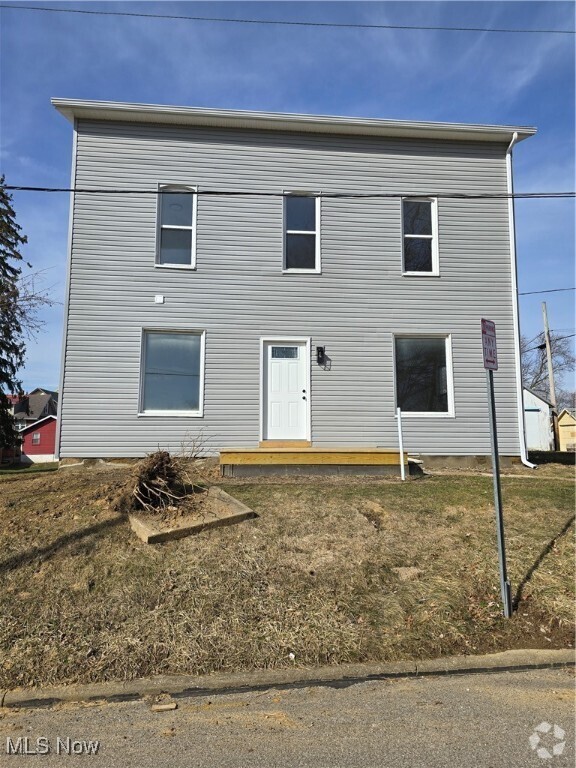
(534, 363)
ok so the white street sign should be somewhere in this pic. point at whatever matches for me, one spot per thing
(489, 345)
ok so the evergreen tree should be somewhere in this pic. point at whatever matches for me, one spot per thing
(12, 314)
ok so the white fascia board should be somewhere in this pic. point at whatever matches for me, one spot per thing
(278, 121)
(36, 424)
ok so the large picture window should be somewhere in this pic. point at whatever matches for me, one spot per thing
(301, 233)
(419, 235)
(423, 374)
(172, 372)
(176, 227)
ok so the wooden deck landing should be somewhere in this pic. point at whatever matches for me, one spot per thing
(310, 456)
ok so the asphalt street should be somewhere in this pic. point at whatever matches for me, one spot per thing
(468, 721)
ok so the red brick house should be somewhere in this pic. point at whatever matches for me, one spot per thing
(38, 441)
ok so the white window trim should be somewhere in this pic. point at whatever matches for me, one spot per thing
(316, 232)
(184, 414)
(34, 436)
(285, 340)
(193, 228)
(450, 413)
(433, 237)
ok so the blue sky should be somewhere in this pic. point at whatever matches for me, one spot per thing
(421, 75)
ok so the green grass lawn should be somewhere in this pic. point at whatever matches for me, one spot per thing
(11, 469)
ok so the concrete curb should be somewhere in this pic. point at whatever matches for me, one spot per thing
(188, 686)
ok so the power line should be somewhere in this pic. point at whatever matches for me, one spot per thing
(543, 345)
(283, 22)
(553, 330)
(550, 290)
(335, 195)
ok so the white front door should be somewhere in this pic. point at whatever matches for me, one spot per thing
(285, 390)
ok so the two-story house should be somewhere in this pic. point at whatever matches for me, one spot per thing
(286, 280)
(36, 405)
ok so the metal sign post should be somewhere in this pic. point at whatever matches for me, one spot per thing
(491, 365)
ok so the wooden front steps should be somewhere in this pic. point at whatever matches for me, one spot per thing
(305, 459)
(298, 444)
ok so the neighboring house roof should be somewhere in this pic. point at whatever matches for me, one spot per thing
(36, 424)
(539, 396)
(279, 121)
(43, 391)
(571, 414)
(36, 405)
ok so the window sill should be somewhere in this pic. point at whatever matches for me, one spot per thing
(426, 415)
(179, 414)
(420, 274)
(301, 271)
(188, 267)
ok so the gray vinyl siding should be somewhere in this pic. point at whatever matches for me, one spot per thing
(238, 293)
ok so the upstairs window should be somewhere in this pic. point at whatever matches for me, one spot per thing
(420, 236)
(301, 233)
(176, 227)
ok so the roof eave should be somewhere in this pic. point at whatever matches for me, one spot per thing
(539, 396)
(36, 423)
(275, 121)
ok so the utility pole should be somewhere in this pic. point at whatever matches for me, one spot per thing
(551, 377)
(549, 355)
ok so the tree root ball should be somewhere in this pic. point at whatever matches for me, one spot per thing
(159, 482)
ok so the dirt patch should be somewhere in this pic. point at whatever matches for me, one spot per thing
(407, 574)
(193, 505)
(541, 471)
(212, 508)
(374, 513)
(334, 570)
